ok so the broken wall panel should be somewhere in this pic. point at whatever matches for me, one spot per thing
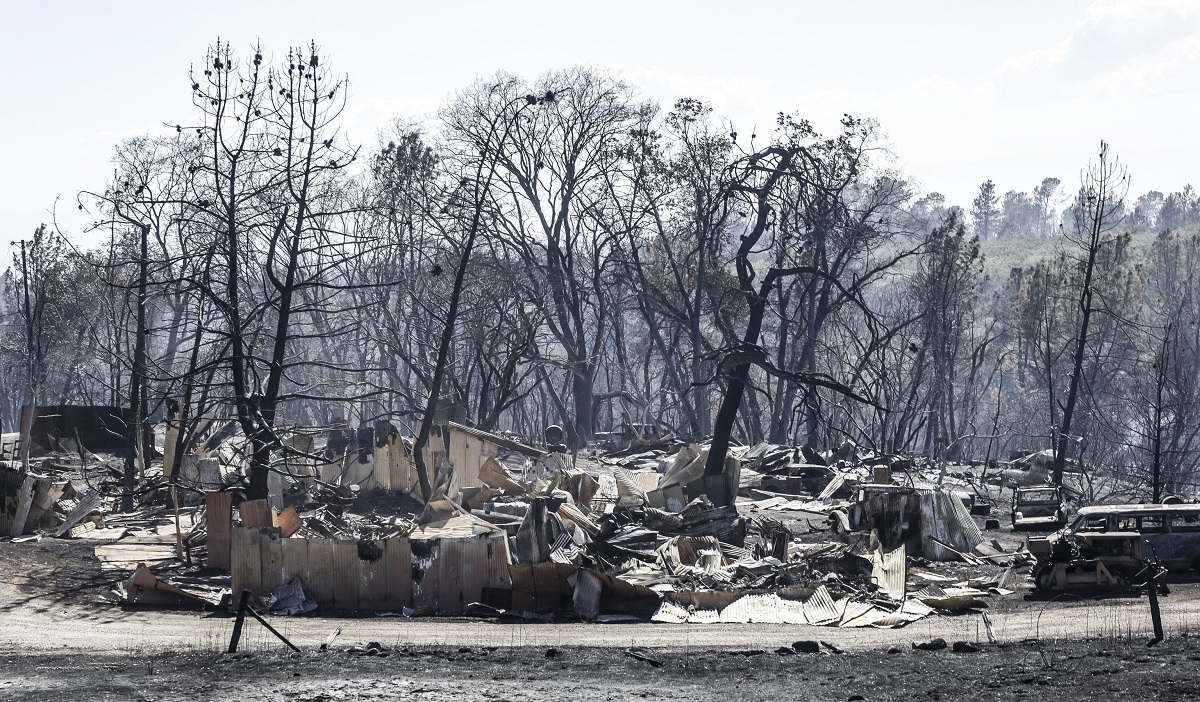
(373, 573)
(27, 501)
(256, 513)
(346, 582)
(46, 493)
(398, 570)
(442, 574)
(889, 571)
(245, 556)
(271, 559)
(317, 573)
(17, 501)
(403, 473)
(218, 510)
(382, 460)
(945, 520)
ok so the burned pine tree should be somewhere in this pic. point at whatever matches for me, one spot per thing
(1098, 210)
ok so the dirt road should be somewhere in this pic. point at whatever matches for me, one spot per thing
(57, 641)
(49, 601)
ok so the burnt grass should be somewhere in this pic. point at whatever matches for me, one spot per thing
(1109, 670)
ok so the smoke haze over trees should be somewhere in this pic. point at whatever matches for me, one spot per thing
(555, 249)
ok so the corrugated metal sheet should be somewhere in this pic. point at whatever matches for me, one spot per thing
(381, 459)
(915, 608)
(669, 613)
(245, 561)
(752, 608)
(945, 518)
(839, 479)
(692, 548)
(541, 587)
(930, 590)
(218, 507)
(890, 621)
(345, 575)
(910, 611)
(704, 616)
(820, 609)
(397, 554)
(373, 575)
(295, 557)
(715, 600)
(762, 608)
(494, 474)
(597, 593)
(270, 545)
(586, 598)
(317, 572)
(889, 571)
(860, 614)
(498, 440)
(577, 517)
(629, 494)
(791, 611)
(444, 574)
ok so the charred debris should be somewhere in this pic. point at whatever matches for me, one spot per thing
(630, 529)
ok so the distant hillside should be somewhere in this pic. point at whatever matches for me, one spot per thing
(1000, 257)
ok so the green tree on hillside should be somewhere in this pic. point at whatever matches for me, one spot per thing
(985, 211)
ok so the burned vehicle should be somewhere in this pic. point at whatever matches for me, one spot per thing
(1039, 508)
(1118, 546)
(1092, 560)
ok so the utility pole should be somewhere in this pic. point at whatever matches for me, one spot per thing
(27, 416)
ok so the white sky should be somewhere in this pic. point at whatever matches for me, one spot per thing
(1013, 91)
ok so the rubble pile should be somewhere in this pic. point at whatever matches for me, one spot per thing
(843, 537)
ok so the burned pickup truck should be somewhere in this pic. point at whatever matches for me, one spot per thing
(1038, 508)
(1118, 546)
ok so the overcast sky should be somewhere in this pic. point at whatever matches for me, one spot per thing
(966, 91)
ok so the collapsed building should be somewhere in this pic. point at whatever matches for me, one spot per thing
(844, 537)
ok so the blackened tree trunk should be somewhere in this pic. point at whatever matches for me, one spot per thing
(1099, 203)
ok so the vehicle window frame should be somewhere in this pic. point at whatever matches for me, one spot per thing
(1144, 529)
(1183, 517)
